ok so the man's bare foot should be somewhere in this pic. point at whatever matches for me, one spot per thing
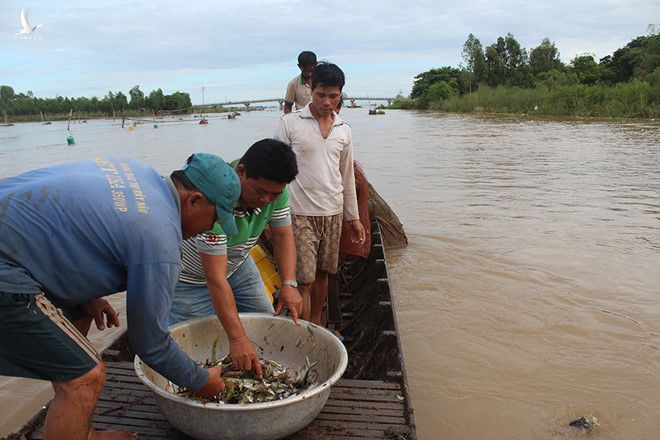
(112, 435)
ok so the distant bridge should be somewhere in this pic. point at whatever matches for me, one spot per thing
(280, 101)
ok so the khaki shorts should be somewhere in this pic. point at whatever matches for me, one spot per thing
(317, 245)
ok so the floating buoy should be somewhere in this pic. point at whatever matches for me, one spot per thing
(69, 140)
(155, 125)
(131, 128)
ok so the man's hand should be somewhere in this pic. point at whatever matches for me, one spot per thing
(214, 385)
(358, 235)
(290, 298)
(244, 356)
(96, 308)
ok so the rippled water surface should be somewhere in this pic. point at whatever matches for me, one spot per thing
(529, 294)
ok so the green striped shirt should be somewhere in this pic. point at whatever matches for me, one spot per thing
(250, 226)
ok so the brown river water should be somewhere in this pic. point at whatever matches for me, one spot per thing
(529, 294)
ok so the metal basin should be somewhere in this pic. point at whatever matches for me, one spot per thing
(275, 338)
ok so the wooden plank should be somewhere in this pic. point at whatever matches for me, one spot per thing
(141, 430)
(105, 407)
(113, 381)
(156, 423)
(127, 389)
(128, 386)
(332, 409)
(359, 426)
(362, 418)
(360, 391)
(113, 377)
(335, 401)
(314, 432)
(363, 396)
(131, 400)
(120, 366)
(112, 393)
(145, 434)
(371, 384)
(126, 365)
(326, 430)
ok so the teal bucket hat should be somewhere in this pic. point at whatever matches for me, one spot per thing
(219, 183)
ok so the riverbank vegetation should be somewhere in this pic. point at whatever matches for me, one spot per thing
(27, 107)
(506, 78)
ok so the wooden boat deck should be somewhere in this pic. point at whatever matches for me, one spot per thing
(355, 409)
(370, 401)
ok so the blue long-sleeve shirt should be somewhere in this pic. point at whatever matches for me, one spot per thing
(86, 229)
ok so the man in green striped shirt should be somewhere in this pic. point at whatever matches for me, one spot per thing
(219, 276)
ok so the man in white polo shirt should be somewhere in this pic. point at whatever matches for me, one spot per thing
(299, 89)
(324, 190)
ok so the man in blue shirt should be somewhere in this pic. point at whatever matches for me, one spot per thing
(73, 233)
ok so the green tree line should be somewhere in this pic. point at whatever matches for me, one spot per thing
(21, 104)
(505, 77)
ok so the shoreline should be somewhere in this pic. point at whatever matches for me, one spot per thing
(540, 116)
(128, 116)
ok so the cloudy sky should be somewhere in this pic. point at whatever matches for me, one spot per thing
(247, 49)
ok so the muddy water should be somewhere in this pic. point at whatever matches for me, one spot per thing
(530, 292)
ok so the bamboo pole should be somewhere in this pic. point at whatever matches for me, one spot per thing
(69, 123)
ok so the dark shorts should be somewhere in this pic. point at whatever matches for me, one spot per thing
(38, 340)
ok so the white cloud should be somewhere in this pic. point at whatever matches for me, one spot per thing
(249, 48)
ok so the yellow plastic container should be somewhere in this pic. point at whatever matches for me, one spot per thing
(269, 275)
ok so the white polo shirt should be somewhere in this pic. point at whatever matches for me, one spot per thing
(325, 184)
(298, 91)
